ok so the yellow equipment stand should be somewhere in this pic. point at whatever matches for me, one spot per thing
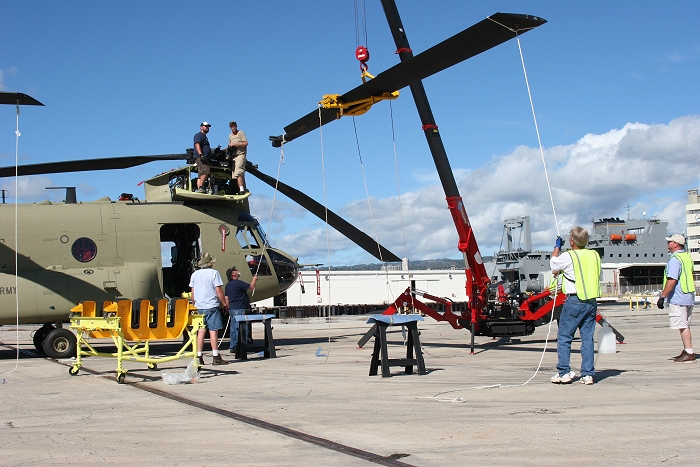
(132, 326)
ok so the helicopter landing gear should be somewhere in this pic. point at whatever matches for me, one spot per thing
(40, 336)
(60, 343)
(73, 370)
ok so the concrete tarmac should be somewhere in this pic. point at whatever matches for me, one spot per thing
(301, 409)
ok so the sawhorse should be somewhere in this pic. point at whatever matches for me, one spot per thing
(379, 324)
(242, 348)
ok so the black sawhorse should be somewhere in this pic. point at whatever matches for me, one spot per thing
(242, 348)
(379, 354)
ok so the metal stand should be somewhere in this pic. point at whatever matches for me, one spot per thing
(381, 323)
(242, 348)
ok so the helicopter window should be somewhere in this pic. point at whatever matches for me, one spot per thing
(245, 237)
(261, 233)
(84, 250)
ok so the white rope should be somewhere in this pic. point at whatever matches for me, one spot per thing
(328, 241)
(537, 129)
(269, 224)
(544, 350)
(17, 135)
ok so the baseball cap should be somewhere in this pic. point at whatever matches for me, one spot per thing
(678, 238)
(205, 124)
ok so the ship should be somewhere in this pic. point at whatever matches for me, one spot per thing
(633, 255)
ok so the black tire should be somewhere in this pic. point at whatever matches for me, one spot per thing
(121, 377)
(40, 336)
(73, 371)
(153, 366)
(60, 343)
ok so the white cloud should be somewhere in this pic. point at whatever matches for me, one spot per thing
(645, 166)
(28, 188)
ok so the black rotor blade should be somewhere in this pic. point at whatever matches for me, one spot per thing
(17, 98)
(84, 165)
(492, 31)
(353, 234)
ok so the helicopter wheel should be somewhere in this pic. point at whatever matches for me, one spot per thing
(121, 377)
(40, 336)
(152, 366)
(60, 343)
(73, 371)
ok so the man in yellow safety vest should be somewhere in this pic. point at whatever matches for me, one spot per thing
(679, 292)
(581, 282)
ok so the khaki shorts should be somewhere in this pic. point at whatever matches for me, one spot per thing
(202, 168)
(239, 165)
(679, 316)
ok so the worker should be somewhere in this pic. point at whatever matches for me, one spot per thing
(581, 283)
(679, 292)
(205, 286)
(238, 302)
(202, 153)
(238, 148)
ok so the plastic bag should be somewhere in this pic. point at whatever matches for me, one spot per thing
(190, 375)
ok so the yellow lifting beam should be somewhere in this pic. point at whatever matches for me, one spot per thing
(132, 326)
(358, 107)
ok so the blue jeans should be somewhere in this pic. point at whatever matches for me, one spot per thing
(576, 314)
(234, 328)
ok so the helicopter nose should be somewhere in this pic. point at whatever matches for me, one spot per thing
(287, 269)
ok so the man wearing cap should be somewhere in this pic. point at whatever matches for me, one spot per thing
(238, 302)
(679, 293)
(238, 147)
(205, 285)
(202, 152)
(581, 283)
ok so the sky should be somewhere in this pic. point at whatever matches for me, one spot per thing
(614, 86)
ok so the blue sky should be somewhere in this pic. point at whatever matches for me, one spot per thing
(614, 86)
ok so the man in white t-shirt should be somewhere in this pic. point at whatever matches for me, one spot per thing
(207, 294)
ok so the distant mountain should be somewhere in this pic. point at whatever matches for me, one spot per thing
(417, 265)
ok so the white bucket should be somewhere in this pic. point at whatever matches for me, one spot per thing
(606, 340)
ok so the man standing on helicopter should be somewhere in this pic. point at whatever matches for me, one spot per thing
(238, 147)
(202, 152)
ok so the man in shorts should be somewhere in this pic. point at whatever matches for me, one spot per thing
(202, 152)
(679, 292)
(205, 285)
(238, 147)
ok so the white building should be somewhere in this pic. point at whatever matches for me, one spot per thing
(692, 219)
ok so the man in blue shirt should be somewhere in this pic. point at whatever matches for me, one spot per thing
(679, 292)
(202, 152)
(238, 301)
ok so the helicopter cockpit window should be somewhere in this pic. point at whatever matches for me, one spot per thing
(84, 250)
(245, 237)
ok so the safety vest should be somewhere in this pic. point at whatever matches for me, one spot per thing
(557, 282)
(686, 275)
(586, 273)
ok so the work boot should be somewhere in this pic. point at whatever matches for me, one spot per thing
(687, 358)
(219, 361)
(680, 355)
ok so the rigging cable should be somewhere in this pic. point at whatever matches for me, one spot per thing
(17, 135)
(269, 225)
(369, 205)
(360, 23)
(328, 241)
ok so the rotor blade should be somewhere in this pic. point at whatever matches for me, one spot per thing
(87, 164)
(356, 236)
(17, 98)
(492, 31)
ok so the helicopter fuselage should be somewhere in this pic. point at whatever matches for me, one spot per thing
(106, 250)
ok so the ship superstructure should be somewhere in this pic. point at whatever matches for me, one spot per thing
(633, 254)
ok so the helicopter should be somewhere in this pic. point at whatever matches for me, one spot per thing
(106, 249)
